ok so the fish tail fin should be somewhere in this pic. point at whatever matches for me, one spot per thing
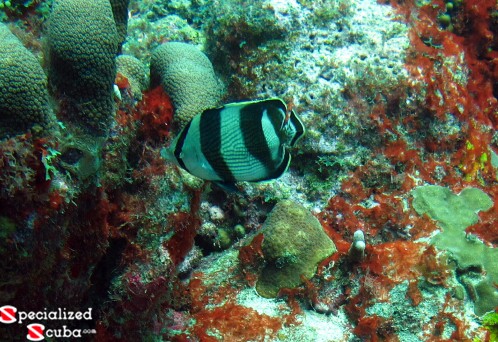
(167, 154)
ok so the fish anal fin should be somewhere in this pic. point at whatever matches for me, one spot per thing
(227, 186)
(280, 170)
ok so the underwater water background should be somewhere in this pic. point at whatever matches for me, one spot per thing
(383, 227)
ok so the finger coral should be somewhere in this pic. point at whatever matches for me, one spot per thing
(24, 100)
(188, 77)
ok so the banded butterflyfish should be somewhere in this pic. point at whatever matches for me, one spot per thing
(242, 141)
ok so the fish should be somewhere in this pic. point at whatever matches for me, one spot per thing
(240, 141)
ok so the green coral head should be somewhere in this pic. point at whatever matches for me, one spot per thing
(294, 245)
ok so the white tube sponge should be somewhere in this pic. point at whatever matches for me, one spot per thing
(357, 249)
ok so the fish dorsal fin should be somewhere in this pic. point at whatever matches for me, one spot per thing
(276, 102)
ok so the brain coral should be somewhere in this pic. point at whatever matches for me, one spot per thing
(294, 243)
(136, 73)
(187, 75)
(24, 100)
(82, 45)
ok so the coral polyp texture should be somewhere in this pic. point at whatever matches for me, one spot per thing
(383, 228)
(120, 14)
(24, 99)
(187, 75)
(135, 73)
(82, 63)
(293, 246)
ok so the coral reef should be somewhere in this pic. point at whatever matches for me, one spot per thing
(187, 75)
(82, 64)
(293, 246)
(455, 213)
(120, 15)
(24, 100)
(134, 72)
(244, 38)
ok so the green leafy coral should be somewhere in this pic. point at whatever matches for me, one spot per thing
(454, 213)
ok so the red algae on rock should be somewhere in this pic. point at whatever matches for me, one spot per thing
(234, 322)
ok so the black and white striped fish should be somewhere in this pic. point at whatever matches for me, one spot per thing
(242, 141)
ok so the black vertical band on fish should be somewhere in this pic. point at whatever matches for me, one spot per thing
(210, 133)
(251, 127)
(244, 141)
(179, 145)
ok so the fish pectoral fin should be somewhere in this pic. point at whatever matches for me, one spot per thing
(227, 186)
